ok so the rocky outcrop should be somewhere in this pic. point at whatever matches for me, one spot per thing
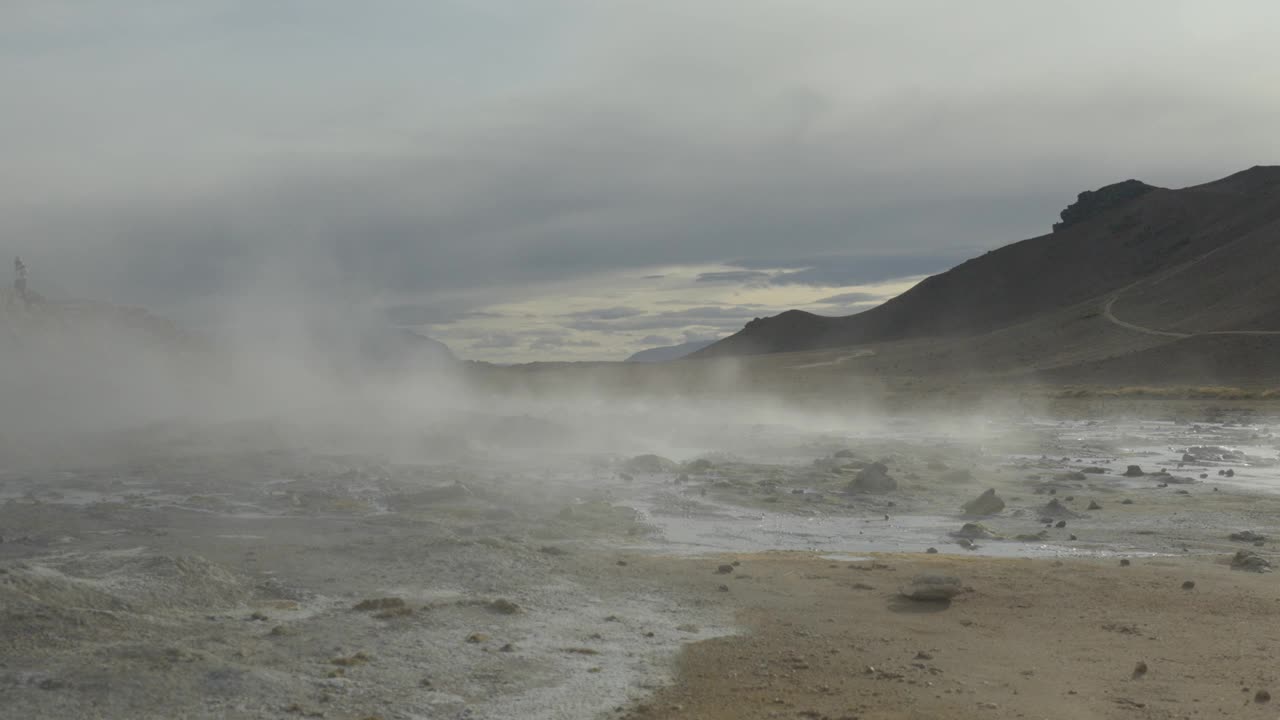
(1091, 203)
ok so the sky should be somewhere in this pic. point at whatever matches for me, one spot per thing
(582, 179)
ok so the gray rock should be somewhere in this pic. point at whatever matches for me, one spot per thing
(988, 503)
(1246, 560)
(1247, 536)
(873, 478)
(974, 531)
(1134, 471)
(932, 588)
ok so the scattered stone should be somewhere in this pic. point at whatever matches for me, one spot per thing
(988, 503)
(504, 606)
(372, 604)
(1129, 501)
(1247, 560)
(723, 588)
(1031, 537)
(932, 588)
(1139, 670)
(967, 544)
(621, 563)
(1094, 471)
(1189, 585)
(724, 569)
(477, 638)
(1124, 562)
(1055, 509)
(1093, 505)
(932, 551)
(1230, 472)
(974, 531)
(1247, 536)
(359, 658)
(650, 464)
(1060, 524)
(846, 453)
(552, 550)
(507, 648)
(1072, 537)
(873, 478)
(1134, 471)
(1261, 697)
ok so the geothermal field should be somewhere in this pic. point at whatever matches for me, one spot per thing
(589, 556)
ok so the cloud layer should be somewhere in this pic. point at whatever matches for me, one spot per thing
(452, 159)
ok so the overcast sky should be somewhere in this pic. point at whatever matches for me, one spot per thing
(580, 179)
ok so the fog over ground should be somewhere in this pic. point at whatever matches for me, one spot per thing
(567, 179)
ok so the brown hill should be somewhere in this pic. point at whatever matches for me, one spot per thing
(1168, 264)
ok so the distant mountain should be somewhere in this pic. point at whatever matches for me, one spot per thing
(1167, 263)
(669, 352)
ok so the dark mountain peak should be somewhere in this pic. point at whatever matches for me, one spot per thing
(1258, 178)
(1092, 203)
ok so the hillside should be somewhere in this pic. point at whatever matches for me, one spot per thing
(668, 353)
(1177, 262)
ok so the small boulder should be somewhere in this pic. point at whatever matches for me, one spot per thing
(932, 588)
(1246, 560)
(1093, 505)
(1055, 509)
(649, 464)
(873, 478)
(974, 531)
(1134, 471)
(1247, 536)
(988, 503)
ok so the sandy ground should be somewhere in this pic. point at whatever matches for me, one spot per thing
(1027, 639)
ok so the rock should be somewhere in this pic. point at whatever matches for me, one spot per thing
(1247, 536)
(873, 478)
(846, 453)
(1230, 472)
(1031, 537)
(1124, 562)
(1092, 203)
(988, 503)
(1189, 585)
(1134, 471)
(932, 551)
(974, 531)
(1055, 509)
(724, 569)
(1247, 560)
(477, 638)
(1093, 505)
(1094, 470)
(1139, 670)
(553, 550)
(1262, 696)
(699, 466)
(504, 606)
(932, 588)
(650, 464)
(1129, 501)
(723, 588)
(1060, 524)
(967, 544)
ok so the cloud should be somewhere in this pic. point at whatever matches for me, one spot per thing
(734, 276)
(611, 313)
(176, 157)
(656, 340)
(495, 341)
